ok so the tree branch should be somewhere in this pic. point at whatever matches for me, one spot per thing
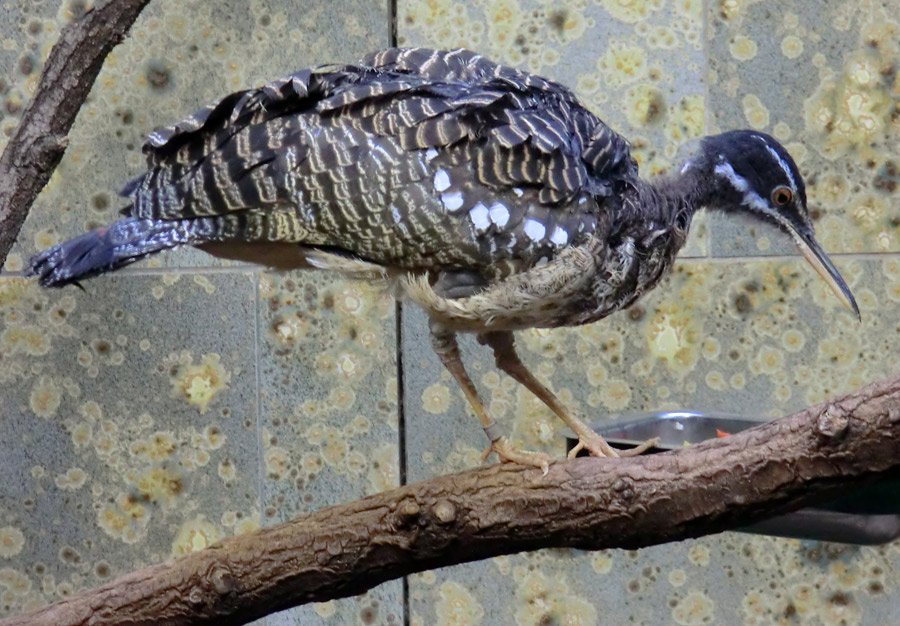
(586, 503)
(41, 136)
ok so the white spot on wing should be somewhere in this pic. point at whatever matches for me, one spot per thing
(430, 154)
(480, 218)
(541, 262)
(499, 214)
(534, 229)
(452, 200)
(442, 180)
(518, 191)
(396, 213)
(560, 237)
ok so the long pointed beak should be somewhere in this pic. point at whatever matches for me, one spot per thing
(816, 257)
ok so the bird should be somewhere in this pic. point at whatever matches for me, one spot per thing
(487, 195)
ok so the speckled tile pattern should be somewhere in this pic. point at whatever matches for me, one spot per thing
(822, 78)
(328, 401)
(129, 435)
(158, 411)
(108, 475)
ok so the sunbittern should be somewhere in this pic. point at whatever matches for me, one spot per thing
(489, 196)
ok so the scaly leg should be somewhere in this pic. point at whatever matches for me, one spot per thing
(444, 344)
(503, 345)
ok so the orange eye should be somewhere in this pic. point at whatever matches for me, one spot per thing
(781, 196)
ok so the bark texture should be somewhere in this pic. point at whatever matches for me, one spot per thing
(585, 503)
(41, 136)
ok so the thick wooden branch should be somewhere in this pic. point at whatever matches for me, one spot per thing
(585, 503)
(40, 138)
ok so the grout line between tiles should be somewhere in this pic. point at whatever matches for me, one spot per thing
(398, 325)
(252, 269)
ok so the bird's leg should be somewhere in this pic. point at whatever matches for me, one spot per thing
(503, 345)
(445, 346)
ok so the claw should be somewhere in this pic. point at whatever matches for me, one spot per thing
(650, 443)
(510, 454)
(597, 446)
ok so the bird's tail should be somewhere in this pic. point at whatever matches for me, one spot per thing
(107, 249)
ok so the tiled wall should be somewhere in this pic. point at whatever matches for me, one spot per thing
(185, 399)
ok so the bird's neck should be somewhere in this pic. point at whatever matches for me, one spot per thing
(673, 199)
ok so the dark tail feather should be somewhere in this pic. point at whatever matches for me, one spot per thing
(105, 250)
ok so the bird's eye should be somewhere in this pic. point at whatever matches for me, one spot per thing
(781, 196)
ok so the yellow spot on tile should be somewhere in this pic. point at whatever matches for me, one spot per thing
(730, 9)
(226, 470)
(157, 447)
(602, 562)
(755, 112)
(384, 470)
(45, 398)
(673, 335)
(125, 520)
(743, 48)
(29, 340)
(677, 577)
(200, 383)
(160, 486)
(699, 555)
(791, 47)
(349, 365)
(541, 600)
(11, 541)
(456, 606)
(630, 11)
(276, 459)
(11, 291)
(436, 398)
(688, 119)
(194, 535)
(73, 479)
(622, 63)
(695, 609)
(616, 394)
(205, 283)
(646, 105)
(325, 609)
(793, 340)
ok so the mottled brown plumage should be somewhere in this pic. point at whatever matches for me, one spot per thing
(489, 196)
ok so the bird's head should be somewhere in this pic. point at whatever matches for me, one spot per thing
(753, 174)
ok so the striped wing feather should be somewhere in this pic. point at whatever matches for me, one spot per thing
(355, 157)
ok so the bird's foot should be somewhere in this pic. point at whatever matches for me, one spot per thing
(510, 454)
(597, 446)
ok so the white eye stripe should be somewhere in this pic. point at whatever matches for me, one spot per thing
(751, 198)
(784, 167)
